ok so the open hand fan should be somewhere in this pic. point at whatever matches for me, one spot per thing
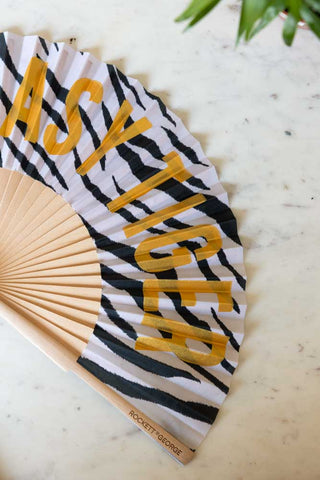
(119, 254)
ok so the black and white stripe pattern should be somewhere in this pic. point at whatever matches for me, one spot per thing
(183, 398)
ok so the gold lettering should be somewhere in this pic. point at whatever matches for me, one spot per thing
(180, 256)
(174, 169)
(162, 215)
(177, 343)
(115, 136)
(187, 289)
(73, 117)
(32, 84)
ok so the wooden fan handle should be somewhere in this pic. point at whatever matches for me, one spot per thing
(67, 360)
(174, 447)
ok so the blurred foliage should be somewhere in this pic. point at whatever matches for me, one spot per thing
(257, 14)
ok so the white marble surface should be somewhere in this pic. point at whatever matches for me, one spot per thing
(256, 112)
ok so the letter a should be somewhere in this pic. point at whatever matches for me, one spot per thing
(32, 84)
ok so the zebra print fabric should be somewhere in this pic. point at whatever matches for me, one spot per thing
(183, 397)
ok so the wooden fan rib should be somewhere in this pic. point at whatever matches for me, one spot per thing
(4, 183)
(44, 203)
(62, 347)
(46, 247)
(77, 292)
(30, 204)
(77, 270)
(29, 217)
(23, 239)
(68, 221)
(42, 243)
(84, 304)
(8, 207)
(74, 325)
(40, 200)
(73, 261)
(66, 280)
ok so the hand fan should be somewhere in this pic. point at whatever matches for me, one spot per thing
(119, 254)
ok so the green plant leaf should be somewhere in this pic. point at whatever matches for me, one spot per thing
(270, 13)
(201, 15)
(311, 18)
(251, 12)
(293, 7)
(314, 4)
(289, 29)
(195, 8)
(192, 9)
